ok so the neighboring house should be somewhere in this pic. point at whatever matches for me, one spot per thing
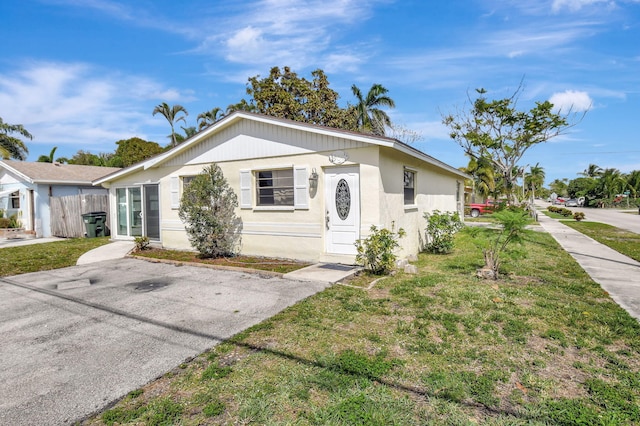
(305, 192)
(26, 189)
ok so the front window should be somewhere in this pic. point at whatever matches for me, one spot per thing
(409, 187)
(15, 200)
(274, 187)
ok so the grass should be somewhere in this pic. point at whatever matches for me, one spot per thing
(625, 242)
(252, 262)
(46, 256)
(441, 347)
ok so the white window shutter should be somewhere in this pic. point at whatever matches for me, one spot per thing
(245, 189)
(175, 192)
(300, 188)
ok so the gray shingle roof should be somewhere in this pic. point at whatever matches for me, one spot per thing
(56, 173)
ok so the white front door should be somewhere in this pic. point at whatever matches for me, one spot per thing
(342, 210)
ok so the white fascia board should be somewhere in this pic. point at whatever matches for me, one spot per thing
(118, 174)
(16, 172)
(428, 159)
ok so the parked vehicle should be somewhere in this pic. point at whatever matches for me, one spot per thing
(476, 209)
(573, 202)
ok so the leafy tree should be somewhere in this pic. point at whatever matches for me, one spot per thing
(283, 94)
(498, 131)
(582, 187)
(559, 186)
(48, 158)
(172, 114)
(207, 208)
(10, 146)
(370, 118)
(206, 119)
(86, 158)
(133, 150)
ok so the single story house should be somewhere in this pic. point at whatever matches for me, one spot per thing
(305, 192)
(27, 187)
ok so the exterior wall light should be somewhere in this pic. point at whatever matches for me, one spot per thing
(313, 179)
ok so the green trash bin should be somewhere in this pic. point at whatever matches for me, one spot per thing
(94, 224)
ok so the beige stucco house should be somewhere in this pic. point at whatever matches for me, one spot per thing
(305, 192)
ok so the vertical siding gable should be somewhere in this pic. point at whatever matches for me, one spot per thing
(248, 139)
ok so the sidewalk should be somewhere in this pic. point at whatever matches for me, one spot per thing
(617, 274)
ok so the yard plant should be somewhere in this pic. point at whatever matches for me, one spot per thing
(376, 252)
(544, 345)
(441, 227)
(207, 208)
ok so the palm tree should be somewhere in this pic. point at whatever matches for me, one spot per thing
(206, 119)
(47, 158)
(610, 183)
(243, 105)
(535, 179)
(370, 118)
(171, 114)
(188, 132)
(592, 171)
(633, 183)
(483, 175)
(12, 147)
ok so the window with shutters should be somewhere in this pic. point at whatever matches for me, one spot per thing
(274, 187)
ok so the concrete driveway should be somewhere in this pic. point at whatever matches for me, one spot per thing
(76, 339)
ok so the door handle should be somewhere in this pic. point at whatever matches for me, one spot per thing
(326, 220)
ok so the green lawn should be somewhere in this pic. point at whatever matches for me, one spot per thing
(625, 242)
(45, 256)
(545, 345)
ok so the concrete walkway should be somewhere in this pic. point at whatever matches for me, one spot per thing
(111, 251)
(619, 275)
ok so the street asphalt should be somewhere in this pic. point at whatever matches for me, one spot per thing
(76, 339)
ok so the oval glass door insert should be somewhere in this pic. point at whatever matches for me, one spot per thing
(343, 199)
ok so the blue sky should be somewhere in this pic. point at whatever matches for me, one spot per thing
(82, 74)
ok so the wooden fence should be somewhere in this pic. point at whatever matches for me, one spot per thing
(66, 213)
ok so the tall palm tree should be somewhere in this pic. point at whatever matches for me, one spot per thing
(47, 158)
(535, 179)
(171, 114)
(633, 183)
(370, 117)
(10, 146)
(206, 119)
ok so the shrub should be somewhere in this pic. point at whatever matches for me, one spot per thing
(4, 222)
(142, 243)
(578, 216)
(208, 209)
(375, 252)
(441, 228)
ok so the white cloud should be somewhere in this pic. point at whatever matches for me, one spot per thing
(575, 5)
(76, 105)
(571, 100)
